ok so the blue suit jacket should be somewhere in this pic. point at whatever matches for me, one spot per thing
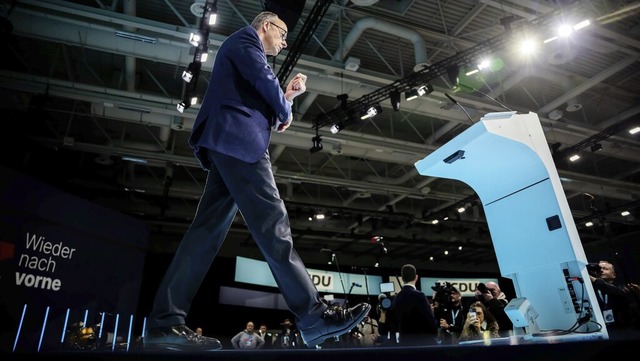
(241, 103)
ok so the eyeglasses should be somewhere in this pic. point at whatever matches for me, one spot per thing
(283, 34)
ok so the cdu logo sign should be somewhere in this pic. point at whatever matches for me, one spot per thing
(322, 280)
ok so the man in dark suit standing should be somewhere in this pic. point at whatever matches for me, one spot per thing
(416, 323)
(230, 138)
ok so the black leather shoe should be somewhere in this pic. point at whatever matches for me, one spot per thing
(178, 338)
(335, 321)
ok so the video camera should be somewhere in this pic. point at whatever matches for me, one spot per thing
(384, 302)
(482, 288)
(443, 293)
(594, 269)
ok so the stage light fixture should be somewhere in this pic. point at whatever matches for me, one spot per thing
(182, 106)
(202, 56)
(187, 103)
(394, 97)
(197, 39)
(187, 76)
(317, 144)
(211, 14)
(596, 147)
(337, 127)
(411, 94)
(418, 92)
(425, 90)
(372, 111)
(192, 71)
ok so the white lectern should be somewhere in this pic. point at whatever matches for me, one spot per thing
(505, 158)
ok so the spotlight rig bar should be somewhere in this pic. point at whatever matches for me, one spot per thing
(415, 79)
(424, 76)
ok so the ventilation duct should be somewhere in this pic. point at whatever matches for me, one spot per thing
(361, 25)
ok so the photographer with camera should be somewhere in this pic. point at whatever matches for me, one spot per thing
(495, 301)
(618, 306)
(387, 327)
(448, 310)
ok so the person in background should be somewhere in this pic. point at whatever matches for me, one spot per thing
(481, 327)
(387, 325)
(368, 328)
(247, 339)
(495, 301)
(453, 317)
(267, 336)
(243, 104)
(416, 323)
(617, 303)
(288, 337)
(496, 292)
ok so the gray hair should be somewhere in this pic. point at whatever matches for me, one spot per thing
(262, 17)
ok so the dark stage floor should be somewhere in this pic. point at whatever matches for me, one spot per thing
(561, 351)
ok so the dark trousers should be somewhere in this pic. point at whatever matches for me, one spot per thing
(234, 185)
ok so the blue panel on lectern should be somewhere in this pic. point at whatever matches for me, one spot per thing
(527, 242)
(484, 153)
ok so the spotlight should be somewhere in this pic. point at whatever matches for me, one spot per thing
(212, 19)
(418, 92)
(317, 144)
(394, 97)
(596, 147)
(182, 106)
(425, 90)
(203, 55)
(410, 94)
(187, 76)
(185, 104)
(197, 38)
(337, 127)
(211, 12)
(192, 71)
(372, 111)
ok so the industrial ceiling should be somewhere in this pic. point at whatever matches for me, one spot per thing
(90, 88)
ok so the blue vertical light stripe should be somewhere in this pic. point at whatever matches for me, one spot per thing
(44, 326)
(64, 326)
(115, 332)
(24, 311)
(130, 329)
(101, 325)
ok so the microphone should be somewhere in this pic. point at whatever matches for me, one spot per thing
(461, 107)
(356, 284)
(486, 95)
